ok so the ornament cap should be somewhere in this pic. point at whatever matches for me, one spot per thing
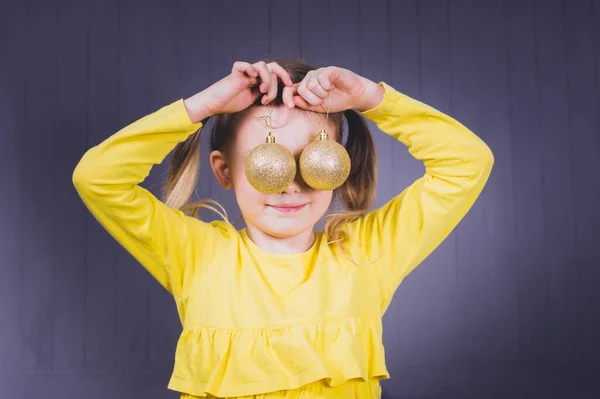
(323, 135)
(270, 138)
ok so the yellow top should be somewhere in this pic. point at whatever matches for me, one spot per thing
(256, 322)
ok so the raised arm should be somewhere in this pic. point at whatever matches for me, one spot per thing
(403, 232)
(107, 179)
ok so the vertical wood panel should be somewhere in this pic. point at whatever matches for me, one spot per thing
(526, 135)
(596, 220)
(438, 324)
(584, 139)
(315, 28)
(284, 28)
(134, 91)
(374, 37)
(401, 329)
(37, 294)
(12, 117)
(163, 326)
(500, 219)
(558, 210)
(103, 99)
(344, 20)
(473, 272)
(68, 216)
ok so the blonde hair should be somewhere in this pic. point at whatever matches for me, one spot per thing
(355, 196)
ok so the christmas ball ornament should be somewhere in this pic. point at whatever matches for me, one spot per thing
(270, 167)
(324, 163)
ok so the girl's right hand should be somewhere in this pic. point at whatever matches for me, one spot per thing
(243, 86)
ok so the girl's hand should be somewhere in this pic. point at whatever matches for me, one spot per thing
(350, 91)
(242, 87)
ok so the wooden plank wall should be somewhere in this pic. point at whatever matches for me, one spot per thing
(505, 307)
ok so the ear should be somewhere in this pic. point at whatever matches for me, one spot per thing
(221, 169)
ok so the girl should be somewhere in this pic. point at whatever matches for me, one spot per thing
(278, 310)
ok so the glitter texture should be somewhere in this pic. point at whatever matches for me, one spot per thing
(270, 168)
(324, 164)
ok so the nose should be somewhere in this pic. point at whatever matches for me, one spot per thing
(297, 185)
(294, 187)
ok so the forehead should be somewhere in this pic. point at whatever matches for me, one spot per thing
(293, 128)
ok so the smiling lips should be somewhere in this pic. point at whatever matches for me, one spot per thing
(288, 208)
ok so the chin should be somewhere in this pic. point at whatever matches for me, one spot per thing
(286, 228)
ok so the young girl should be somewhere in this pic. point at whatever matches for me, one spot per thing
(278, 310)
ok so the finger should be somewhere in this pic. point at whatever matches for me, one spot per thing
(340, 78)
(282, 73)
(252, 82)
(301, 103)
(288, 94)
(315, 86)
(306, 93)
(309, 96)
(272, 90)
(240, 68)
(255, 93)
(324, 81)
(264, 74)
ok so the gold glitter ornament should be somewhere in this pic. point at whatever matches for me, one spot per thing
(324, 163)
(270, 167)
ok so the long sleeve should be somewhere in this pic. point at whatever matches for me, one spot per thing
(402, 233)
(107, 179)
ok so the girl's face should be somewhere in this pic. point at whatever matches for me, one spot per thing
(271, 213)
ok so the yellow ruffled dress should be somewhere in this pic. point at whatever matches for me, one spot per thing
(263, 325)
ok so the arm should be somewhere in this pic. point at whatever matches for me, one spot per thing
(403, 232)
(107, 179)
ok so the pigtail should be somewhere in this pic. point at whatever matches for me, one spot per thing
(182, 176)
(358, 192)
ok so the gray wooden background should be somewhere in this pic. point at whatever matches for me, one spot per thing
(507, 306)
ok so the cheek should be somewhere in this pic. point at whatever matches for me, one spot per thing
(249, 200)
(321, 199)
(238, 176)
(246, 192)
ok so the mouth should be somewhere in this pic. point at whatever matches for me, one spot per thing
(288, 208)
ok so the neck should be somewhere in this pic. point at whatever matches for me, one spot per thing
(282, 245)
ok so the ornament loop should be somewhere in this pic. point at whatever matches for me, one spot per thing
(324, 164)
(270, 167)
(268, 120)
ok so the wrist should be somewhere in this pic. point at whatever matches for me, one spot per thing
(196, 108)
(372, 96)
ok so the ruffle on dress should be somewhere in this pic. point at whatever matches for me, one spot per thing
(235, 363)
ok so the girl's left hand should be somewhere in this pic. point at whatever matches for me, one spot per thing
(350, 91)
